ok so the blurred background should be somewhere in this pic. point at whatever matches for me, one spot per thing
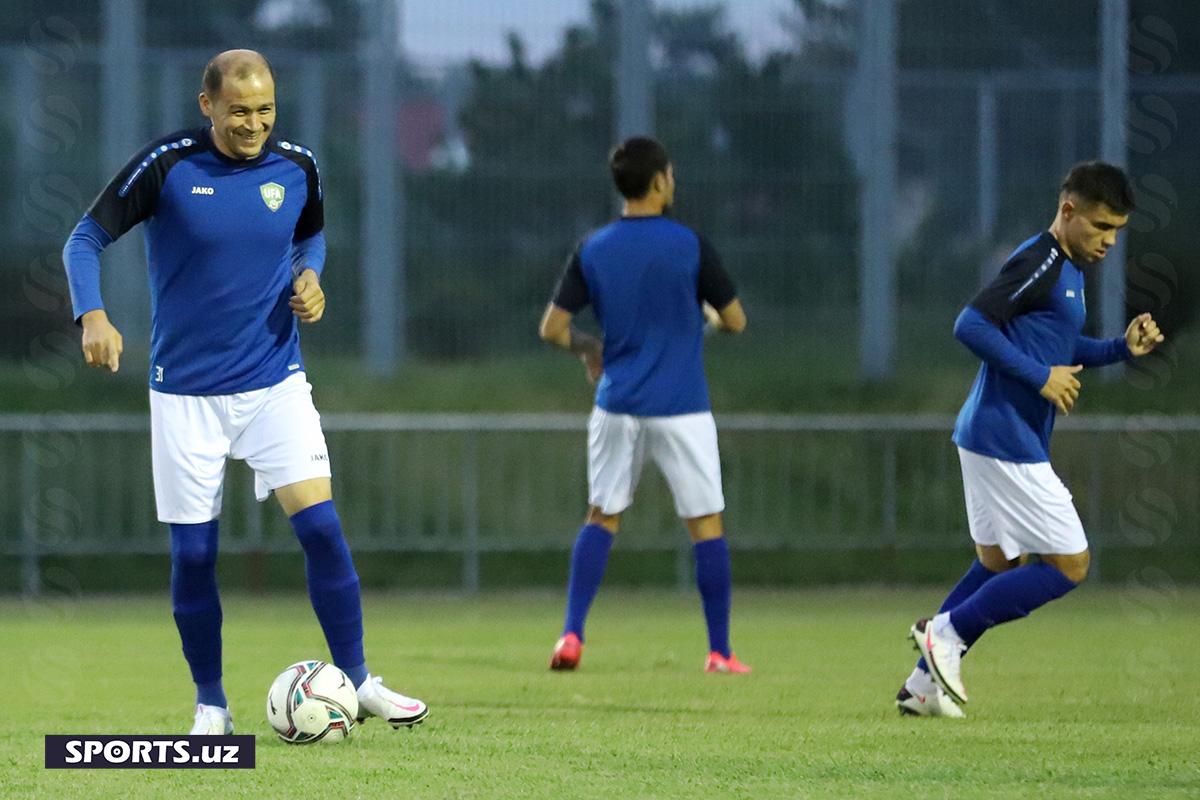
(862, 166)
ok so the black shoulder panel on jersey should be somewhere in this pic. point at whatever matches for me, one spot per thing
(131, 196)
(312, 217)
(1024, 281)
(571, 294)
(715, 286)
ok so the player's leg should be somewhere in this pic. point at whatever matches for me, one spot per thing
(714, 581)
(285, 446)
(685, 449)
(333, 586)
(589, 558)
(989, 562)
(1016, 594)
(920, 695)
(614, 466)
(1037, 515)
(188, 451)
(985, 495)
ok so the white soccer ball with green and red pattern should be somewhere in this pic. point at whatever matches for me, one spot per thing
(312, 701)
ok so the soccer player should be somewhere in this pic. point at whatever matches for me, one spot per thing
(652, 283)
(1025, 326)
(233, 220)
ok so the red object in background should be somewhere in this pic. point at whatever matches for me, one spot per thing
(420, 126)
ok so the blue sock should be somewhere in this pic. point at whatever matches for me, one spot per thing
(588, 560)
(967, 585)
(197, 606)
(333, 586)
(1010, 595)
(714, 579)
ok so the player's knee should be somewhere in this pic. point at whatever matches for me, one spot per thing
(1077, 569)
(610, 522)
(1074, 567)
(192, 547)
(324, 537)
(706, 528)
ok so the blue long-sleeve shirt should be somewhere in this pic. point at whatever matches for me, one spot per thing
(1027, 320)
(224, 239)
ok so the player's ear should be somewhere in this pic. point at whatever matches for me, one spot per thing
(1067, 207)
(205, 105)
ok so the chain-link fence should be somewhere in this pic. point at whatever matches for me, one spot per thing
(502, 161)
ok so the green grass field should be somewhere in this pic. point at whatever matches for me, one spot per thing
(1093, 697)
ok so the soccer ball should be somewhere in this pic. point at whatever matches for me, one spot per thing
(312, 701)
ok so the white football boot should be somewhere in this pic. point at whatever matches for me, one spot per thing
(211, 721)
(943, 653)
(934, 703)
(376, 700)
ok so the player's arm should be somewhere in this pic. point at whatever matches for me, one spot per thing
(718, 295)
(570, 297)
(102, 343)
(1140, 338)
(308, 250)
(129, 198)
(1022, 284)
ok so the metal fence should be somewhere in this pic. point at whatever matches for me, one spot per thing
(478, 484)
(767, 169)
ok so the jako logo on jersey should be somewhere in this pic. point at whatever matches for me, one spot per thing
(272, 195)
(202, 190)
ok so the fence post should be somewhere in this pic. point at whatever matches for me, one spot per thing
(31, 571)
(877, 199)
(382, 217)
(1114, 116)
(121, 108)
(635, 75)
(470, 500)
(988, 169)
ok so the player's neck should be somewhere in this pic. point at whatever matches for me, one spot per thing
(642, 208)
(1057, 232)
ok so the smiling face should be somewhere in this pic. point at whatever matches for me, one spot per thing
(1089, 229)
(242, 112)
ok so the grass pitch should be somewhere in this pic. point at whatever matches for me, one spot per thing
(1092, 697)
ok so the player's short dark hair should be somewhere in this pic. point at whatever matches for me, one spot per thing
(214, 72)
(1100, 182)
(635, 162)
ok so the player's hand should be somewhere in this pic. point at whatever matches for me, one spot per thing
(1142, 335)
(1062, 387)
(102, 343)
(308, 303)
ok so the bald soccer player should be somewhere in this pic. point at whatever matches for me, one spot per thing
(232, 214)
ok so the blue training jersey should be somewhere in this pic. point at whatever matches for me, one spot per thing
(1028, 319)
(222, 242)
(645, 278)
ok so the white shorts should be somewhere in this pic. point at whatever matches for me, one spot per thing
(683, 446)
(1021, 508)
(277, 431)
